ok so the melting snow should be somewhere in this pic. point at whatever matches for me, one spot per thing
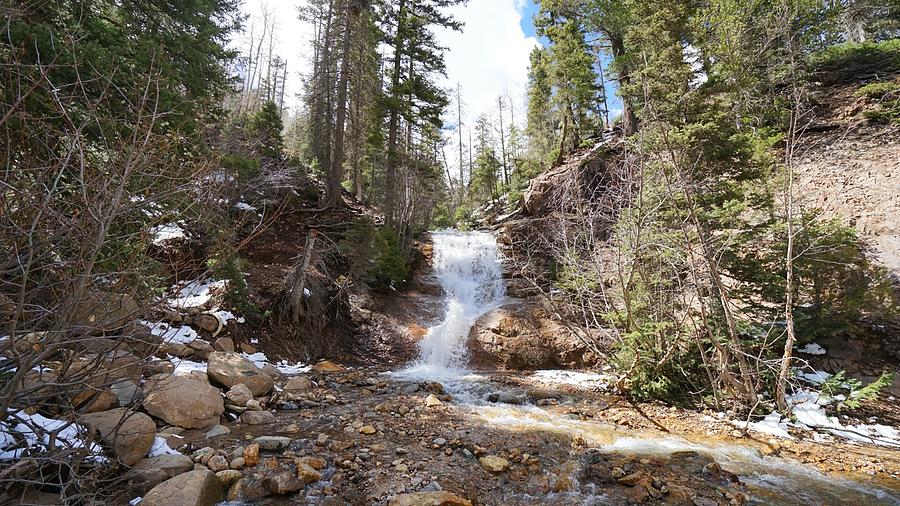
(809, 410)
(224, 316)
(167, 232)
(814, 377)
(161, 447)
(260, 360)
(194, 293)
(771, 424)
(243, 206)
(68, 435)
(169, 334)
(812, 349)
(183, 367)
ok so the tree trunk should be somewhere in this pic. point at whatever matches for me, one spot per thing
(394, 123)
(299, 285)
(336, 175)
(628, 117)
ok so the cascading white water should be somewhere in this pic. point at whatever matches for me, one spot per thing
(468, 268)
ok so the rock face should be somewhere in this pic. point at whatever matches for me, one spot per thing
(522, 336)
(185, 402)
(195, 488)
(104, 311)
(230, 368)
(430, 499)
(132, 438)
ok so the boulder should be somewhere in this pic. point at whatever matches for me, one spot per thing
(152, 471)
(224, 344)
(200, 348)
(299, 384)
(104, 311)
(272, 443)
(194, 488)
(127, 392)
(230, 368)
(93, 401)
(229, 476)
(185, 402)
(523, 336)
(283, 482)
(130, 433)
(239, 395)
(307, 474)
(429, 499)
(327, 366)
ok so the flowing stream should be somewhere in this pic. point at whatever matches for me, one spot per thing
(468, 267)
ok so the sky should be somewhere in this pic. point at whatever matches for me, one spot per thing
(488, 58)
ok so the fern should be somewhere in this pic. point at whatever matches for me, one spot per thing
(856, 392)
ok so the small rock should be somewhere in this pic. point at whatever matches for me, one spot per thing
(217, 463)
(223, 344)
(257, 417)
(322, 439)
(326, 366)
(251, 455)
(368, 430)
(282, 483)
(494, 464)
(272, 443)
(254, 405)
(306, 474)
(194, 488)
(239, 395)
(439, 441)
(432, 401)
(237, 463)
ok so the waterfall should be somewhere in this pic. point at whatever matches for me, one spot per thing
(468, 269)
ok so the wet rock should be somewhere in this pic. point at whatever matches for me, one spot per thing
(429, 499)
(194, 488)
(229, 369)
(152, 471)
(507, 398)
(239, 395)
(218, 430)
(494, 464)
(131, 434)
(228, 476)
(283, 482)
(272, 443)
(251, 455)
(217, 463)
(257, 417)
(185, 402)
(223, 344)
(409, 389)
(306, 474)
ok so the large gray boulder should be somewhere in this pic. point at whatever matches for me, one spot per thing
(185, 402)
(130, 433)
(230, 368)
(194, 488)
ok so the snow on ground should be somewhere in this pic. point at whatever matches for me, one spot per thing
(812, 349)
(815, 377)
(243, 206)
(160, 447)
(35, 432)
(260, 360)
(224, 316)
(573, 378)
(181, 334)
(167, 232)
(771, 424)
(183, 367)
(809, 410)
(194, 293)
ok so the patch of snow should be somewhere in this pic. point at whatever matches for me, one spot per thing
(573, 378)
(307, 293)
(35, 431)
(809, 410)
(161, 447)
(224, 316)
(254, 341)
(243, 206)
(137, 500)
(169, 334)
(812, 349)
(771, 424)
(814, 377)
(167, 232)
(183, 367)
(260, 360)
(194, 293)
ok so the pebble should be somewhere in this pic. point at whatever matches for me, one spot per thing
(368, 430)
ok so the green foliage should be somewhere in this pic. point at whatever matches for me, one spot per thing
(391, 267)
(266, 131)
(375, 255)
(885, 100)
(246, 168)
(228, 266)
(855, 392)
(846, 62)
